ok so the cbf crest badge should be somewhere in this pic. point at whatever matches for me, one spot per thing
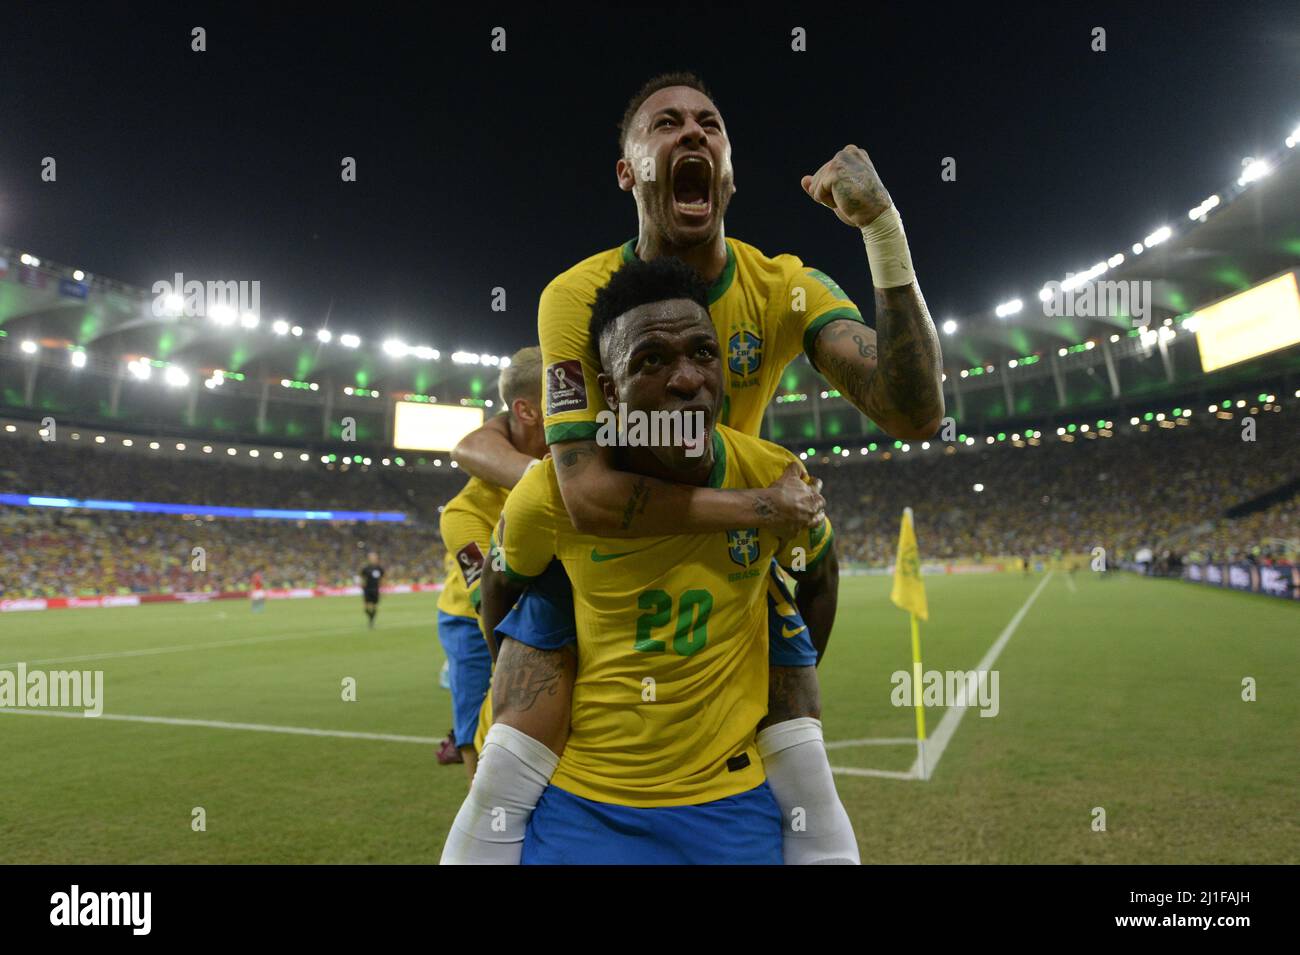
(743, 545)
(744, 353)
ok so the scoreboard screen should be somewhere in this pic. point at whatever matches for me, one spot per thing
(428, 427)
(1254, 322)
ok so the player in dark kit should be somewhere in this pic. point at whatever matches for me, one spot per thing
(371, 574)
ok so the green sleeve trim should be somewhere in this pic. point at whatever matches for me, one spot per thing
(821, 321)
(812, 564)
(494, 548)
(571, 431)
(719, 472)
(475, 598)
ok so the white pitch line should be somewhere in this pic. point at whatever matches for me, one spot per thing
(886, 773)
(181, 648)
(222, 725)
(875, 741)
(938, 741)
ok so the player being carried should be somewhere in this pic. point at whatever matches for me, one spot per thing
(664, 677)
(675, 160)
(466, 526)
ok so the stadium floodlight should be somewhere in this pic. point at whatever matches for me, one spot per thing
(304, 456)
(10, 428)
(1090, 345)
(176, 377)
(1201, 211)
(384, 462)
(207, 449)
(1045, 293)
(1062, 352)
(949, 327)
(127, 442)
(25, 259)
(100, 439)
(1160, 235)
(1293, 138)
(366, 462)
(315, 386)
(1137, 248)
(1012, 363)
(324, 459)
(254, 453)
(1253, 170)
(395, 347)
(347, 390)
(965, 373)
(154, 445)
(348, 340)
(78, 275)
(297, 331)
(464, 358)
(231, 451)
(29, 347)
(1116, 260)
(180, 446)
(140, 368)
(1009, 308)
(173, 305)
(978, 488)
(1060, 432)
(424, 353)
(437, 462)
(249, 320)
(223, 314)
(280, 326)
(488, 402)
(505, 362)
(279, 455)
(324, 335)
(284, 382)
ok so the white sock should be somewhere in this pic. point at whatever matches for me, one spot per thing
(513, 770)
(815, 828)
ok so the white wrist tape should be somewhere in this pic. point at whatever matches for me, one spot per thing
(512, 773)
(887, 252)
(815, 828)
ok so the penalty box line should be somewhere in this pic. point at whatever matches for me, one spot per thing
(942, 736)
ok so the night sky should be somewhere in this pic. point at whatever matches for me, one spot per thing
(479, 169)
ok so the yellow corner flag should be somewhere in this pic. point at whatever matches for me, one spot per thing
(909, 594)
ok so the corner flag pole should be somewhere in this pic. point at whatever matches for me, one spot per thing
(917, 699)
(908, 593)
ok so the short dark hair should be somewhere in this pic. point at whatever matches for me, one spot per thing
(640, 283)
(652, 86)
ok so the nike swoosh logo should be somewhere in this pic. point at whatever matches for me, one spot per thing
(786, 630)
(598, 557)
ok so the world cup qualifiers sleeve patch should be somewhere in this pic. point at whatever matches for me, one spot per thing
(470, 559)
(566, 390)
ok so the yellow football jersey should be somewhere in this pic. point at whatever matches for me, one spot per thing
(765, 309)
(672, 638)
(466, 526)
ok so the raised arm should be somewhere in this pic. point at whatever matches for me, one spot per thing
(611, 503)
(893, 375)
(487, 454)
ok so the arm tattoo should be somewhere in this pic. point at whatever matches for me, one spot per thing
(572, 456)
(526, 674)
(637, 502)
(792, 692)
(763, 507)
(894, 377)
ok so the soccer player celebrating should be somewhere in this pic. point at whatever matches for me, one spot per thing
(466, 525)
(675, 160)
(662, 756)
(371, 574)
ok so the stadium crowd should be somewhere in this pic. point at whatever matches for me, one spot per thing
(1165, 488)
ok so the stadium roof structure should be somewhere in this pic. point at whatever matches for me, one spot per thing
(183, 359)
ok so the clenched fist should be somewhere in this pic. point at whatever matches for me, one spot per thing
(849, 185)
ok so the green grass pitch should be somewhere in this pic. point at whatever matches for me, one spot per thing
(1124, 694)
